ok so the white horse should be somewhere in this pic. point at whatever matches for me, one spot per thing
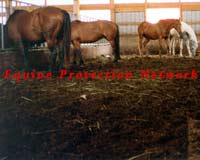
(188, 35)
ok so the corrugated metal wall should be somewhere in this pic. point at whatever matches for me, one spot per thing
(126, 21)
(191, 17)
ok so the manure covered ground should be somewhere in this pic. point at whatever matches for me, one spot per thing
(101, 119)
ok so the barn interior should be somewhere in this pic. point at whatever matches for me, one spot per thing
(144, 117)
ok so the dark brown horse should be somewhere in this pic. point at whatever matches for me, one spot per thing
(156, 31)
(48, 24)
(88, 32)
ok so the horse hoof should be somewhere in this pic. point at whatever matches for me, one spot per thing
(115, 61)
(74, 63)
(81, 63)
(61, 67)
(119, 58)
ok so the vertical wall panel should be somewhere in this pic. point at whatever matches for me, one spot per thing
(191, 17)
(126, 21)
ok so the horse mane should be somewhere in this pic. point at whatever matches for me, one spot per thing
(167, 24)
(15, 13)
(165, 20)
(168, 19)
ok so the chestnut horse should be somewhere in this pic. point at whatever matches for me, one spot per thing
(156, 31)
(48, 24)
(89, 32)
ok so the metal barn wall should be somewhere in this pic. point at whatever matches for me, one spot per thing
(127, 16)
(192, 17)
(128, 21)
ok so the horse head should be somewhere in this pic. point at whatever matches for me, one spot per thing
(177, 26)
(194, 46)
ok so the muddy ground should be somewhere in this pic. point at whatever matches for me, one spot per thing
(98, 118)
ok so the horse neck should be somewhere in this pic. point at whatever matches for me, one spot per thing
(174, 32)
(186, 28)
(165, 27)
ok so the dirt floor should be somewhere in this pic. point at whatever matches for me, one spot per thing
(103, 119)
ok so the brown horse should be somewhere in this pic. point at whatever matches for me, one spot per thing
(156, 31)
(88, 32)
(48, 24)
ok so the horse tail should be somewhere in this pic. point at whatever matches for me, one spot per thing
(66, 33)
(7, 40)
(117, 45)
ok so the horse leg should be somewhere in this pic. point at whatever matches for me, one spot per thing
(80, 57)
(181, 47)
(140, 45)
(74, 56)
(78, 52)
(146, 41)
(23, 49)
(170, 45)
(160, 46)
(52, 58)
(173, 45)
(166, 41)
(52, 43)
(74, 52)
(52, 40)
(188, 47)
(53, 55)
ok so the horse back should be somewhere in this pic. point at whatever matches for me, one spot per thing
(108, 28)
(148, 30)
(87, 32)
(84, 32)
(166, 25)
